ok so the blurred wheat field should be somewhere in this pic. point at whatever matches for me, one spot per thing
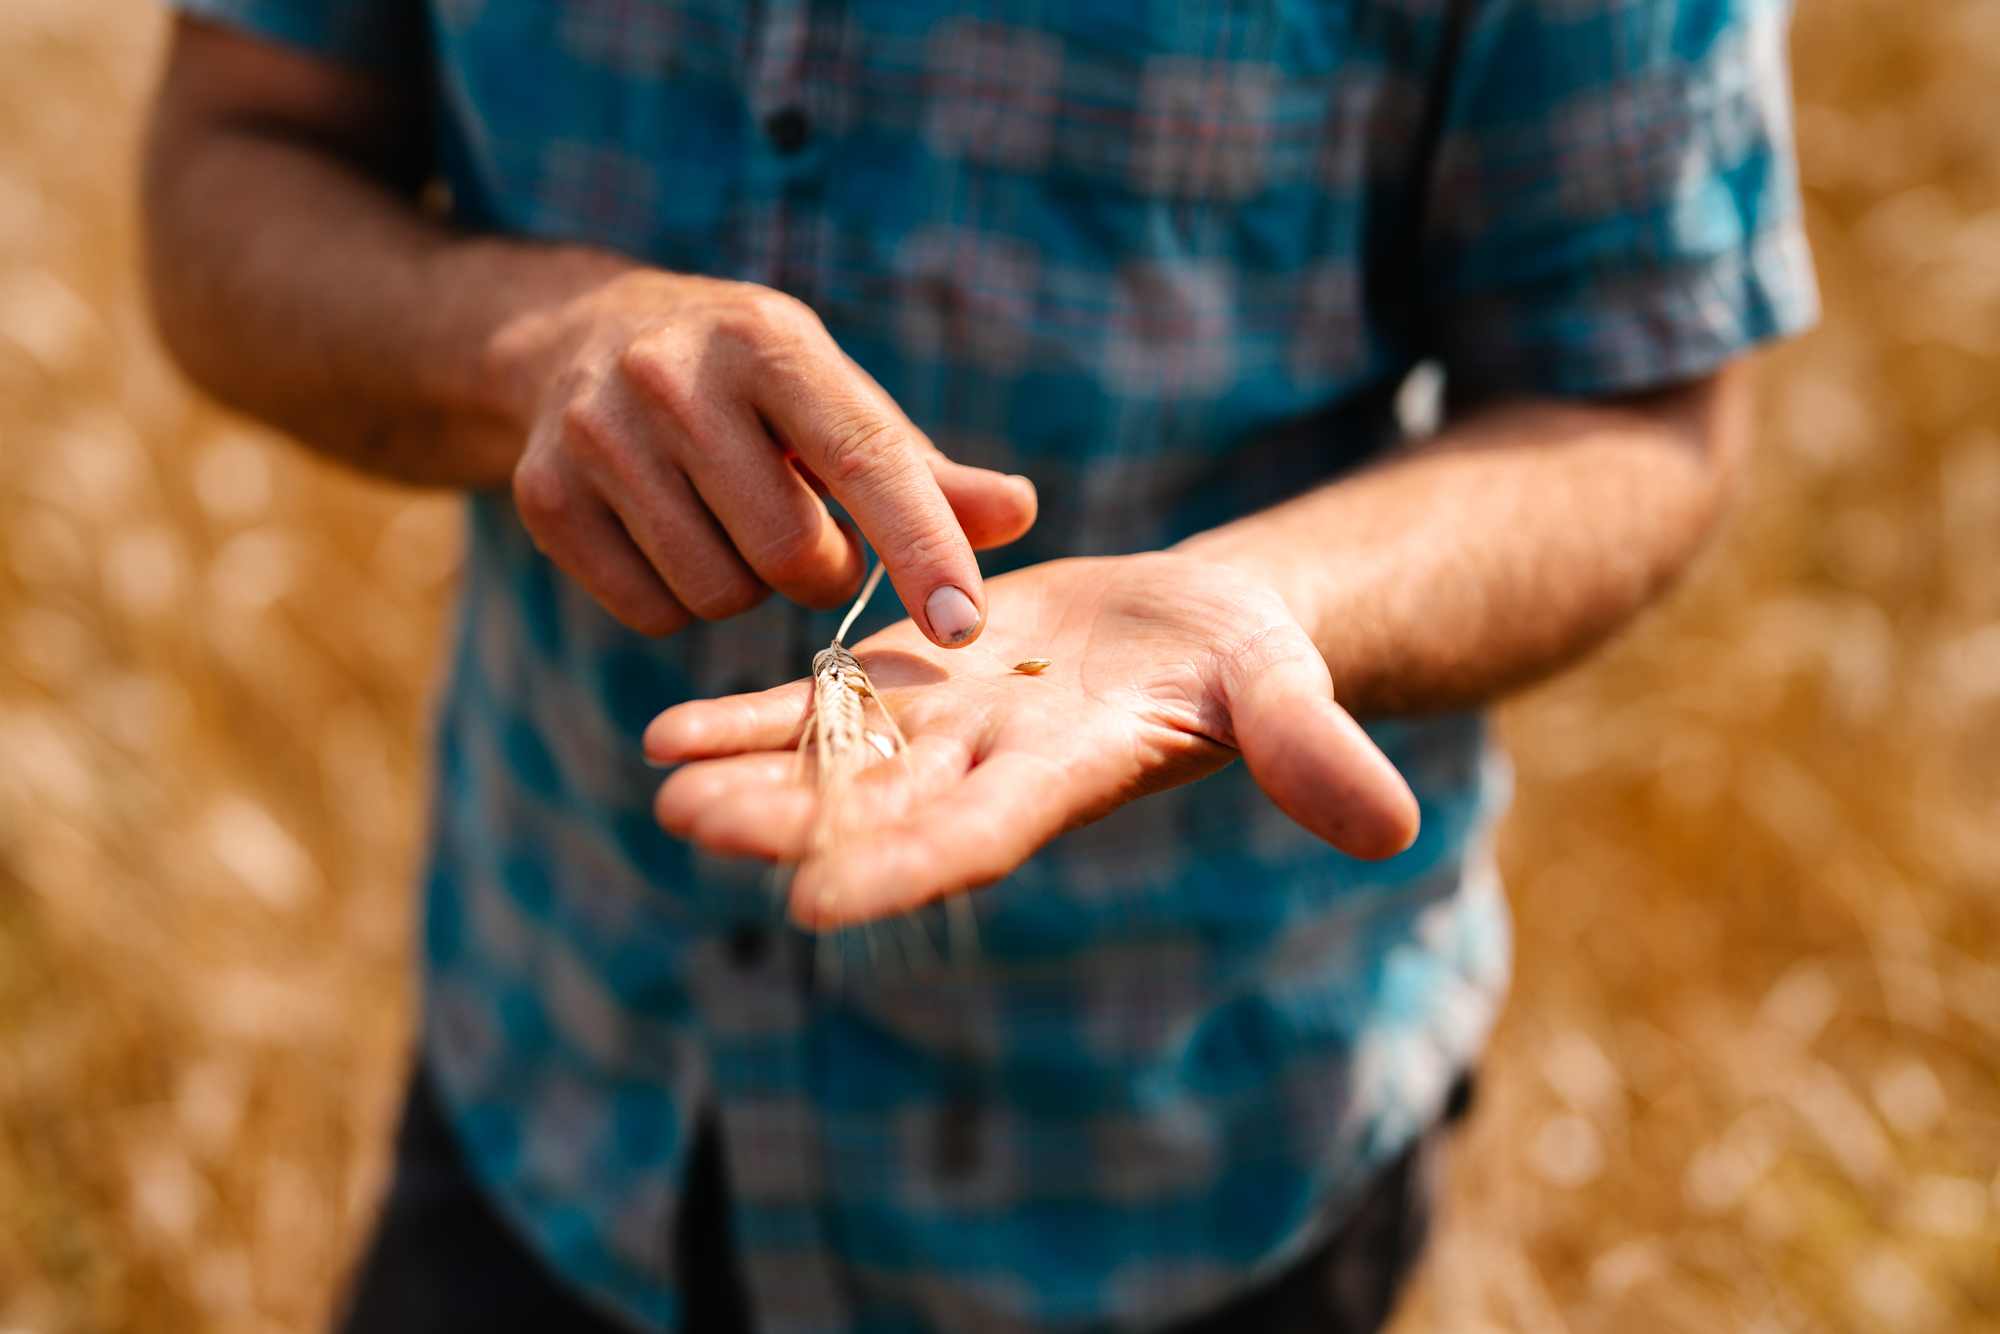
(1750, 1075)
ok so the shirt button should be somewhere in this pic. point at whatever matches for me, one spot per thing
(956, 1150)
(748, 945)
(786, 129)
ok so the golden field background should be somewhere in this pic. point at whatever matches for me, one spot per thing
(1750, 1076)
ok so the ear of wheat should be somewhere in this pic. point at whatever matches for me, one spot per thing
(836, 738)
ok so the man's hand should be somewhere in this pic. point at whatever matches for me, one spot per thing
(1164, 668)
(1488, 556)
(644, 419)
(670, 420)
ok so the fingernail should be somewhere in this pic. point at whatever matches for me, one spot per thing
(952, 616)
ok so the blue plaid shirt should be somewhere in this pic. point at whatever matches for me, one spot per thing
(1171, 258)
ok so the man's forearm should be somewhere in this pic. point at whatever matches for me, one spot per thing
(322, 301)
(1501, 550)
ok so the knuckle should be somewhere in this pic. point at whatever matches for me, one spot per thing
(655, 617)
(791, 557)
(781, 312)
(587, 427)
(541, 495)
(641, 359)
(924, 548)
(856, 450)
(765, 319)
(726, 598)
(659, 376)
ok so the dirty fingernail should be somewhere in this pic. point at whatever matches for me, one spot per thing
(952, 616)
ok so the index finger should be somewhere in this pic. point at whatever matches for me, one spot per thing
(873, 460)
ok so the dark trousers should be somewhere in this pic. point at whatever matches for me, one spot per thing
(442, 1262)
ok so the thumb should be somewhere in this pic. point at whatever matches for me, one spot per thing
(1312, 758)
(994, 508)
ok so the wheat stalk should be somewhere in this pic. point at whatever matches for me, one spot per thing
(842, 746)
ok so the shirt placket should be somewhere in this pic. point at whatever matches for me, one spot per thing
(777, 87)
(759, 1009)
(759, 1000)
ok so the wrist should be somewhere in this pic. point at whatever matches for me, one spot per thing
(535, 319)
(1245, 549)
(1324, 590)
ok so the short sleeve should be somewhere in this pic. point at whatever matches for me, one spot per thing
(1615, 201)
(380, 36)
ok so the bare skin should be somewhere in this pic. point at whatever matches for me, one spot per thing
(1492, 556)
(648, 424)
(658, 430)
(1162, 667)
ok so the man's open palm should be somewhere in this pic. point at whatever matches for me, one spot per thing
(1163, 668)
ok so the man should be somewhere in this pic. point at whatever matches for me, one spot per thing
(647, 278)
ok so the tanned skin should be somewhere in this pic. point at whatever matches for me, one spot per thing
(654, 427)
(643, 419)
